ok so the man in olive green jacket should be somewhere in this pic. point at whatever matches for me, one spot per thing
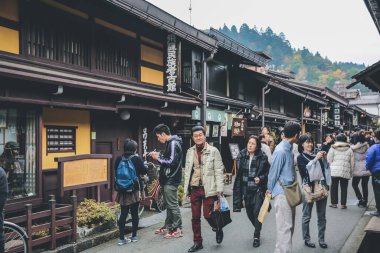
(203, 183)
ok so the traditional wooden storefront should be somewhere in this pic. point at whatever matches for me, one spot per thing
(78, 78)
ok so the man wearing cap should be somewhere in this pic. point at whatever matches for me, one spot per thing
(203, 184)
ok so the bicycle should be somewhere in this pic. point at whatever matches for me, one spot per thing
(15, 238)
(153, 196)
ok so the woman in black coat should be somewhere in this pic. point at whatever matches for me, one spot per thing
(251, 183)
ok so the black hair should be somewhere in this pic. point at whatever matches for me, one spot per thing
(291, 129)
(262, 128)
(261, 137)
(304, 138)
(341, 137)
(377, 134)
(161, 128)
(258, 143)
(198, 128)
(130, 146)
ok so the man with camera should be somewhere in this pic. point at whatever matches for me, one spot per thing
(170, 178)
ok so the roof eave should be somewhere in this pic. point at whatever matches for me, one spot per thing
(159, 18)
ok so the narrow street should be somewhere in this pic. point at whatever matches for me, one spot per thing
(238, 236)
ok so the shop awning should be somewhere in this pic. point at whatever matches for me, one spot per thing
(20, 68)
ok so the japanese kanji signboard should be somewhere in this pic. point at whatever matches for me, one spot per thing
(238, 127)
(171, 72)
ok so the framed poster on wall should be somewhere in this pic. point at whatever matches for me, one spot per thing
(3, 118)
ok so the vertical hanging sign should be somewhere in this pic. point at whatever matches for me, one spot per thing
(145, 141)
(171, 65)
(337, 114)
(355, 119)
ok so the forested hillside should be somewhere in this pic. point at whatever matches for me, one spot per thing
(308, 67)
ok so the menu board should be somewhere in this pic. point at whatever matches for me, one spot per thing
(234, 149)
(60, 139)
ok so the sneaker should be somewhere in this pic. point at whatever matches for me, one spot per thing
(161, 231)
(133, 238)
(362, 203)
(175, 233)
(375, 213)
(124, 241)
(333, 205)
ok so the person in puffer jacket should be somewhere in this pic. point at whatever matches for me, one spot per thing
(342, 164)
(360, 148)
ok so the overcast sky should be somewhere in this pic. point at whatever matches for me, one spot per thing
(342, 30)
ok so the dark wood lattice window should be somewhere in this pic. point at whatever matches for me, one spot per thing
(115, 53)
(60, 139)
(56, 36)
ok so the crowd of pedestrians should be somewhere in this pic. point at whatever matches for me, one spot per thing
(263, 169)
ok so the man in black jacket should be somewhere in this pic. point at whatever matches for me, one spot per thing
(3, 198)
(170, 178)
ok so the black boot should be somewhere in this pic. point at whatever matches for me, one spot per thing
(219, 236)
(196, 247)
(256, 242)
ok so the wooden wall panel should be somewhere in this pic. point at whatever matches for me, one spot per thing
(152, 55)
(9, 10)
(65, 117)
(152, 76)
(9, 40)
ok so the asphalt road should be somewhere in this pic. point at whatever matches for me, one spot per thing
(238, 236)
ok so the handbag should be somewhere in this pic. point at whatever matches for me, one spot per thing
(315, 193)
(221, 217)
(292, 193)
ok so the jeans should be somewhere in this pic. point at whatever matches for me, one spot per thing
(173, 214)
(321, 215)
(3, 198)
(197, 197)
(355, 185)
(376, 189)
(285, 216)
(124, 210)
(343, 189)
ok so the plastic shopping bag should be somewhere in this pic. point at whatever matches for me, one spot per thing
(224, 206)
(315, 171)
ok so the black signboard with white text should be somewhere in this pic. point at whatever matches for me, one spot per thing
(171, 68)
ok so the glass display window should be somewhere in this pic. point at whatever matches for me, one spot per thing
(18, 137)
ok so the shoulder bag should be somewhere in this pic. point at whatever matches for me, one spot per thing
(292, 193)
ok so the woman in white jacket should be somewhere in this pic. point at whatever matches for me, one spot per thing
(360, 148)
(341, 160)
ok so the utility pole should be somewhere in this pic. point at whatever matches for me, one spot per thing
(190, 9)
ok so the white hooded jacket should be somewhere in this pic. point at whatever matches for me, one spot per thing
(360, 152)
(341, 160)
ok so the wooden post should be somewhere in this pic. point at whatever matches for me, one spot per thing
(29, 225)
(52, 222)
(235, 167)
(74, 229)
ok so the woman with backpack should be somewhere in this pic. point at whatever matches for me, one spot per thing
(128, 196)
